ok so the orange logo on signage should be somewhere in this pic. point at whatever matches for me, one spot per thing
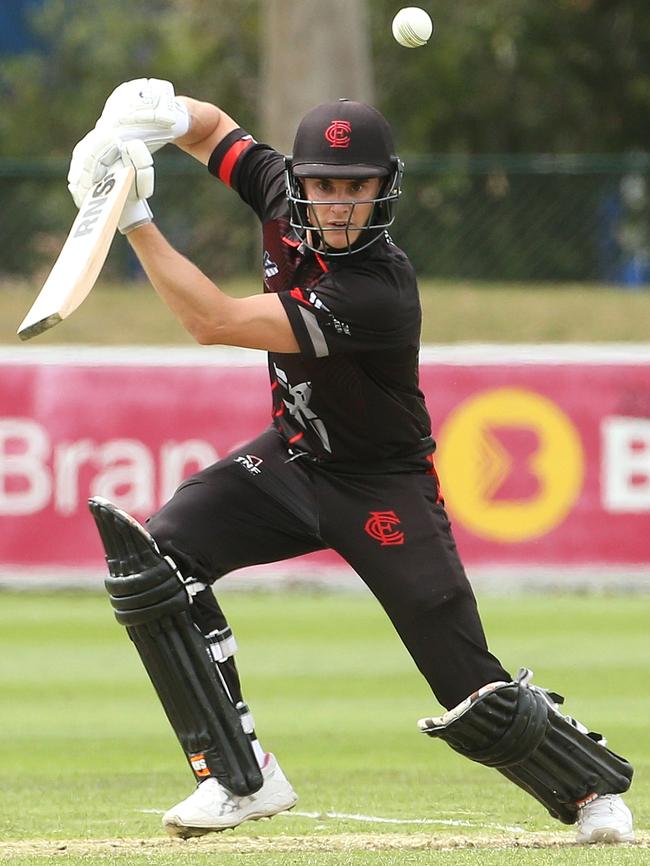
(512, 464)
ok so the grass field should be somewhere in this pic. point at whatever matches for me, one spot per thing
(452, 312)
(87, 762)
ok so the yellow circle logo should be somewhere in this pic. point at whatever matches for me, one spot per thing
(511, 464)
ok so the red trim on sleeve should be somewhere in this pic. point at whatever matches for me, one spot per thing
(230, 158)
(296, 438)
(291, 242)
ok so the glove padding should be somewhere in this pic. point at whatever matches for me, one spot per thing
(93, 158)
(136, 211)
(146, 109)
(89, 162)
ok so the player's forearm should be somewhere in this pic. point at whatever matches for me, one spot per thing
(194, 299)
(207, 313)
(208, 126)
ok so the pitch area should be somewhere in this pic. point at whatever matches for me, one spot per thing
(88, 764)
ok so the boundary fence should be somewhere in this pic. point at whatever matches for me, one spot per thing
(532, 217)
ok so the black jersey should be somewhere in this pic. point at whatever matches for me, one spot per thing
(350, 397)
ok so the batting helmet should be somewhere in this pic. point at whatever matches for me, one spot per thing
(344, 139)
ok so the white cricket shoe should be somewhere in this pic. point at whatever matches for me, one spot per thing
(212, 808)
(605, 819)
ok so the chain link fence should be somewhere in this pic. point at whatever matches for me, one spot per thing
(498, 218)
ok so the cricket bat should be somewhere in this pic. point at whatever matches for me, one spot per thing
(83, 255)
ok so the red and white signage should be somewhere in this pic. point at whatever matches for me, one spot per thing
(543, 452)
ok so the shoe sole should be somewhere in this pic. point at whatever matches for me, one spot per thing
(607, 836)
(183, 831)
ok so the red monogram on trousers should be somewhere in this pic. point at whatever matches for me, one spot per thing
(381, 526)
(338, 133)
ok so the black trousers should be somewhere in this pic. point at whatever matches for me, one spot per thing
(259, 505)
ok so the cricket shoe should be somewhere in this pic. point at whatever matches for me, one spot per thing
(605, 819)
(212, 808)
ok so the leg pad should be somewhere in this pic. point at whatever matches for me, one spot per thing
(151, 601)
(517, 728)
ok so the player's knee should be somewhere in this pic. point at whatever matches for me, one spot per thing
(170, 535)
(163, 529)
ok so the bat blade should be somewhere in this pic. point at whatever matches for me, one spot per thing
(83, 254)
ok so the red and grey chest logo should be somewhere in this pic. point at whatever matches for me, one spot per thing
(381, 525)
(338, 133)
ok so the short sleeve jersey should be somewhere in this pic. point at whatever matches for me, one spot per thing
(350, 398)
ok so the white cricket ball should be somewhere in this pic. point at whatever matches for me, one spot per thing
(412, 27)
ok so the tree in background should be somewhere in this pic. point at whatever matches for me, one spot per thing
(498, 75)
(51, 97)
(520, 76)
(312, 51)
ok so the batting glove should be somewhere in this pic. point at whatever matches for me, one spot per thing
(146, 109)
(90, 162)
(136, 211)
(92, 159)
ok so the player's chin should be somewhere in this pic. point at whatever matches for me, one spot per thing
(340, 239)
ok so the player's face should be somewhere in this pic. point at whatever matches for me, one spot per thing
(340, 207)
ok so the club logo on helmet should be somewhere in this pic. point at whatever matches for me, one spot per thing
(338, 133)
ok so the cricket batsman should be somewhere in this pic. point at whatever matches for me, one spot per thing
(346, 463)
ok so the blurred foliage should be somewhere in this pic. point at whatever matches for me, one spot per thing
(519, 76)
(209, 48)
(498, 76)
(51, 98)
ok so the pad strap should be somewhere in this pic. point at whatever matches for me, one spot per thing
(222, 644)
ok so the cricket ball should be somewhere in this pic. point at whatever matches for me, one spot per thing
(412, 27)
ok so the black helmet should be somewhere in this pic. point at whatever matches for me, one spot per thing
(344, 139)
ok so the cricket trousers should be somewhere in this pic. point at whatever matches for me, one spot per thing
(262, 504)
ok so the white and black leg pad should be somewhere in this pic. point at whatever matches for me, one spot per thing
(517, 728)
(150, 599)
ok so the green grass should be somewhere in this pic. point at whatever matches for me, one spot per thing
(453, 312)
(85, 747)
